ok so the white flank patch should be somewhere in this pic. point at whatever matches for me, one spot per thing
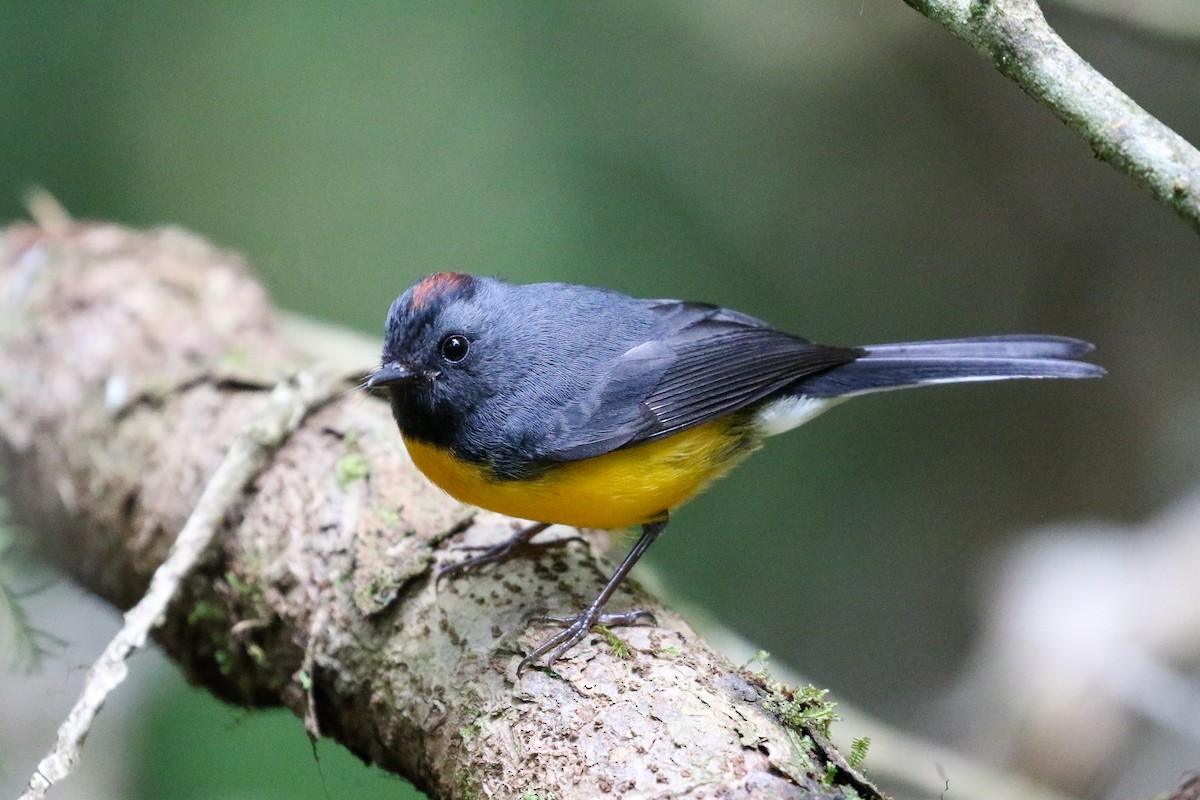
(790, 412)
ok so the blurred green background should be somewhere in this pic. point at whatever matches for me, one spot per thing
(843, 169)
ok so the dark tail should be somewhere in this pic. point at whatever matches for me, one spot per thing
(986, 358)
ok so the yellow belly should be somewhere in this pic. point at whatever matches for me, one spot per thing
(622, 488)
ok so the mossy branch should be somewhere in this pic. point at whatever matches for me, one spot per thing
(1015, 36)
(134, 361)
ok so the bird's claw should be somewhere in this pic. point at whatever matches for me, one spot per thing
(574, 630)
(517, 545)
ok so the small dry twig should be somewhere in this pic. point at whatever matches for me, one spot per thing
(291, 402)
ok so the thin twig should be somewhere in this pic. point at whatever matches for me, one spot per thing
(1021, 44)
(250, 452)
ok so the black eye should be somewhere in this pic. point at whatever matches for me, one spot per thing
(455, 347)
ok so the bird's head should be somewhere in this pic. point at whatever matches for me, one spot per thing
(431, 355)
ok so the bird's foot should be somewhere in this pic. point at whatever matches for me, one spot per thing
(574, 629)
(516, 545)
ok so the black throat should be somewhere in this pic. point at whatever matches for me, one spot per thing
(444, 429)
(418, 422)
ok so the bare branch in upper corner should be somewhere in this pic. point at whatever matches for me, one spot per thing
(1014, 34)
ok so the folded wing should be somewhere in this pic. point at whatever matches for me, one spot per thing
(704, 362)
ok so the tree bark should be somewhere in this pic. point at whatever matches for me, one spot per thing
(131, 361)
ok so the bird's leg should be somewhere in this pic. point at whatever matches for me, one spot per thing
(577, 627)
(517, 544)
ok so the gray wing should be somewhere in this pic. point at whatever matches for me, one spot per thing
(701, 363)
